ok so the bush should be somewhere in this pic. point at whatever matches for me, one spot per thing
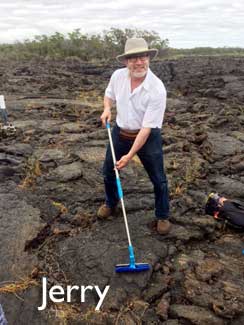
(86, 47)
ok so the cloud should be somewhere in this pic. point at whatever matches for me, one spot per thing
(188, 23)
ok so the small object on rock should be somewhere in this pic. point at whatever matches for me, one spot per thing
(7, 130)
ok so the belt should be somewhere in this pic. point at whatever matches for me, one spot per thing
(128, 134)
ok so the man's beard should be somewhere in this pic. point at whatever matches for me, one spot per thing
(139, 74)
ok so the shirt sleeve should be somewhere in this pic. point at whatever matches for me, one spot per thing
(110, 90)
(154, 114)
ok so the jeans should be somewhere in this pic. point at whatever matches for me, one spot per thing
(151, 156)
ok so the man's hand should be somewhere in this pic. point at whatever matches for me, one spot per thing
(141, 138)
(124, 160)
(106, 116)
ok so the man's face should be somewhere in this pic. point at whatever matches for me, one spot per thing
(138, 65)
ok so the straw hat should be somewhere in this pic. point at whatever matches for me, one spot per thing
(135, 46)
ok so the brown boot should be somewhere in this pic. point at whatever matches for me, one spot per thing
(104, 211)
(164, 227)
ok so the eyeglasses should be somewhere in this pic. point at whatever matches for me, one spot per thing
(133, 59)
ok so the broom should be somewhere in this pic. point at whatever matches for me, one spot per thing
(132, 266)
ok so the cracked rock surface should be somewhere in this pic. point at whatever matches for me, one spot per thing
(52, 185)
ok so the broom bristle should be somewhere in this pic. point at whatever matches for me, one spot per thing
(138, 267)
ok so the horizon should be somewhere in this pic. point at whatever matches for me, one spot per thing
(32, 38)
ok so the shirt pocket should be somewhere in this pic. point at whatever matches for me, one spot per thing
(140, 102)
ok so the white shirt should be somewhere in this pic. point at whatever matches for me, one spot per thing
(144, 107)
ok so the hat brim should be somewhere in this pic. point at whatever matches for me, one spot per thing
(152, 53)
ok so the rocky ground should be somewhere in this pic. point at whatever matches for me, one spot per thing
(51, 188)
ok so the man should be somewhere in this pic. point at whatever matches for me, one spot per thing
(221, 208)
(3, 320)
(3, 110)
(6, 128)
(140, 100)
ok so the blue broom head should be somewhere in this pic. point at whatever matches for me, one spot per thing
(132, 268)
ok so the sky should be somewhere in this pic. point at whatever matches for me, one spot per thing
(186, 24)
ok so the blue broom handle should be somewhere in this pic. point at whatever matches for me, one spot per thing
(132, 256)
(112, 149)
(120, 191)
